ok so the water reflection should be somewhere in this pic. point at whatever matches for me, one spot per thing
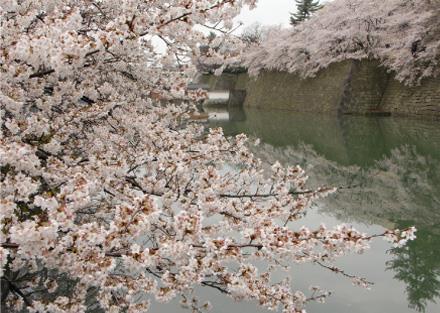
(223, 113)
(391, 168)
(418, 266)
(403, 184)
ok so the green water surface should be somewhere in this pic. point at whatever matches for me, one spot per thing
(391, 169)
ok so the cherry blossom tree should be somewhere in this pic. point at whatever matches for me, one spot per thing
(403, 35)
(108, 183)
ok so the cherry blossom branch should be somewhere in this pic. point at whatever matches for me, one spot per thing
(334, 269)
(318, 297)
(268, 195)
(186, 14)
(41, 73)
(16, 290)
(215, 285)
(140, 181)
(225, 32)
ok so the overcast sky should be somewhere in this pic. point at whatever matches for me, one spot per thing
(269, 12)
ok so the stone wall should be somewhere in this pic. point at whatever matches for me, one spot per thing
(349, 87)
(423, 100)
(282, 90)
(364, 88)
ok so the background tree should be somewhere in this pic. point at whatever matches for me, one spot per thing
(418, 266)
(357, 29)
(253, 34)
(304, 9)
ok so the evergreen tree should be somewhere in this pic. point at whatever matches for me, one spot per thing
(304, 9)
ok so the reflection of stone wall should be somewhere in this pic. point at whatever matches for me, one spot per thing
(284, 129)
(346, 139)
(348, 87)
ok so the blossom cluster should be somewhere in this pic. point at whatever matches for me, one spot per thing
(107, 181)
(402, 35)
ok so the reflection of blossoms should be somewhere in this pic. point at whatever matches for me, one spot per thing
(418, 266)
(411, 179)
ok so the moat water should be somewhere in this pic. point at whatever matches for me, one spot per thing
(390, 168)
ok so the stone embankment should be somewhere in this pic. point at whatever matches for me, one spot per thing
(349, 87)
